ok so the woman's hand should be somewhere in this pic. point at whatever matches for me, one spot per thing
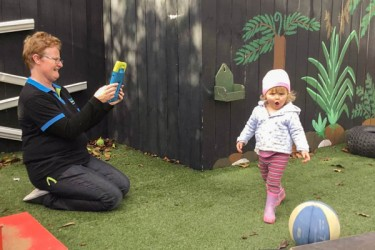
(107, 92)
(120, 97)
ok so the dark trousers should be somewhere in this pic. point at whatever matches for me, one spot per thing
(95, 187)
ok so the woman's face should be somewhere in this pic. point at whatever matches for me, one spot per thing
(50, 64)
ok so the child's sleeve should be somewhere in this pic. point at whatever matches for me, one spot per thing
(249, 129)
(298, 134)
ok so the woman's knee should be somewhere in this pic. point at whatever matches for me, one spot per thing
(112, 200)
(125, 187)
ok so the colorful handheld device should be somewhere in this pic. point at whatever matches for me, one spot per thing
(118, 77)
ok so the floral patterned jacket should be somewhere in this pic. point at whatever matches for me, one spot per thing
(276, 132)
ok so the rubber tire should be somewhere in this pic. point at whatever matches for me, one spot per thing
(361, 141)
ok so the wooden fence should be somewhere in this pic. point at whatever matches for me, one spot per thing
(161, 42)
(174, 49)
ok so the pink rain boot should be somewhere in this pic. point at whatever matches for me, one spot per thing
(269, 210)
(280, 196)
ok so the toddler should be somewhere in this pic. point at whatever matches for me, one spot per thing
(276, 126)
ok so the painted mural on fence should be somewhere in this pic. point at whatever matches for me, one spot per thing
(334, 85)
(273, 31)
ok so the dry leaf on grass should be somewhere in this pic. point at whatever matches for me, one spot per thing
(337, 165)
(283, 244)
(341, 183)
(247, 235)
(363, 215)
(101, 147)
(7, 160)
(68, 224)
(244, 165)
(346, 150)
(171, 160)
(317, 196)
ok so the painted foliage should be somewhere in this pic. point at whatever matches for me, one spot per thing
(273, 30)
(334, 84)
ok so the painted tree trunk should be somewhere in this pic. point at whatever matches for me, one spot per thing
(279, 52)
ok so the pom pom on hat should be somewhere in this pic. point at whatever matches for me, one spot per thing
(275, 78)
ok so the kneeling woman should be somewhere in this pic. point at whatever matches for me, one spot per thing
(54, 142)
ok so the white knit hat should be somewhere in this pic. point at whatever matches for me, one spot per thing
(275, 78)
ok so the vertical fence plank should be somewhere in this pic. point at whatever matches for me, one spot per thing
(364, 43)
(308, 106)
(237, 108)
(122, 16)
(142, 76)
(172, 77)
(95, 54)
(195, 61)
(161, 77)
(132, 101)
(152, 77)
(209, 17)
(252, 77)
(222, 110)
(184, 69)
(354, 58)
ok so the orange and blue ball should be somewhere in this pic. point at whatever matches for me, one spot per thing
(313, 221)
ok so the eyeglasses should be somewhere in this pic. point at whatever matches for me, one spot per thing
(57, 60)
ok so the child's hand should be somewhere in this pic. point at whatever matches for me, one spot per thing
(239, 146)
(306, 156)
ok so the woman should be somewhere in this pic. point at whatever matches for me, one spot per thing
(54, 142)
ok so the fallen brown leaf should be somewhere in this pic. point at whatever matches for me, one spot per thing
(283, 244)
(317, 196)
(337, 166)
(243, 165)
(68, 224)
(363, 215)
(107, 156)
(7, 160)
(346, 150)
(247, 235)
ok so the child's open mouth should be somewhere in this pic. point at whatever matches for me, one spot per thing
(277, 103)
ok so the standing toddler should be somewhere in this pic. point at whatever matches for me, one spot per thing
(276, 126)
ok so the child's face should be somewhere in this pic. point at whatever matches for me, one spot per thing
(276, 97)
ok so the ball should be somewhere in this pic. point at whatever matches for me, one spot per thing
(313, 221)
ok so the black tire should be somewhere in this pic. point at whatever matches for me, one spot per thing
(361, 141)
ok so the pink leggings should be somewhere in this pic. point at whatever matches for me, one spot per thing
(272, 166)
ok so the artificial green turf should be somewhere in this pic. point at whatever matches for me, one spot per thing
(174, 207)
